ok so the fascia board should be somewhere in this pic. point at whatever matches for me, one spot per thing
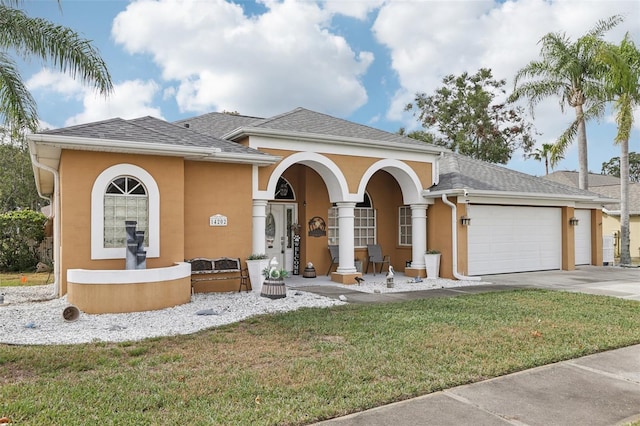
(499, 197)
(127, 147)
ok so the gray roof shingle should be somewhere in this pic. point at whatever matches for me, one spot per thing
(460, 172)
(150, 130)
(301, 121)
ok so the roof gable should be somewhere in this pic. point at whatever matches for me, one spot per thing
(149, 130)
(460, 172)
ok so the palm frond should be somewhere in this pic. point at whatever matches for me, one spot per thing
(17, 106)
(60, 46)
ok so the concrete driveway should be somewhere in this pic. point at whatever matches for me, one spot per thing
(613, 281)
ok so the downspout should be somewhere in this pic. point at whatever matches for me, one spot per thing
(454, 240)
(55, 213)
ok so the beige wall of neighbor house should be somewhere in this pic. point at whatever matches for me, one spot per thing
(611, 225)
(78, 172)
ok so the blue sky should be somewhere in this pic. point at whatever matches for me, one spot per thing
(361, 60)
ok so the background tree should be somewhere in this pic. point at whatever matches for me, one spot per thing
(622, 86)
(469, 119)
(547, 154)
(568, 70)
(17, 185)
(612, 167)
(63, 48)
(419, 135)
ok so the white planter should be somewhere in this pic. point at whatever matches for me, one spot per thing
(255, 268)
(432, 263)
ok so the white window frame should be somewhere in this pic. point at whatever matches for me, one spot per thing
(405, 227)
(333, 228)
(98, 251)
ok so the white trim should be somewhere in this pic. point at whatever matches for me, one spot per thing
(98, 251)
(328, 170)
(129, 276)
(406, 177)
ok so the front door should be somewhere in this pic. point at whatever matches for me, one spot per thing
(279, 233)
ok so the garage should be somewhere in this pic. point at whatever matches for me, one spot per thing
(582, 233)
(504, 239)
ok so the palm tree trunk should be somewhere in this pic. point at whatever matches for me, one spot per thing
(625, 255)
(583, 170)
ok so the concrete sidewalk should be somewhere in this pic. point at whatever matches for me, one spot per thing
(600, 389)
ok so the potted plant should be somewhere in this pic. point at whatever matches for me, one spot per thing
(256, 263)
(432, 263)
(273, 286)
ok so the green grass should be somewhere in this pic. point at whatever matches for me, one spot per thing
(313, 364)
(12, 279)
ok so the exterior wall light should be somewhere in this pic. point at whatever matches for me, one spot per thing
(573, 221)
(465, 221)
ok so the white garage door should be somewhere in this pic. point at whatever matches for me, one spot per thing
(582, 234)
(503, 239)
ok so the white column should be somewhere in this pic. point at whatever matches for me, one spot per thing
(418, 235)
(259, 219)
(345, 233)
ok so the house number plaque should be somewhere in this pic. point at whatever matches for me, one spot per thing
(218, 220)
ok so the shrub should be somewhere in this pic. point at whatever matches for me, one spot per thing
(20, 234)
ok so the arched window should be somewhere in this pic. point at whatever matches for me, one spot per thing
(125, 199)
(124, 192)
(364, 224)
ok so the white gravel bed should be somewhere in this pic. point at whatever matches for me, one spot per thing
(378, 284)
(41, 323)
(30, 316)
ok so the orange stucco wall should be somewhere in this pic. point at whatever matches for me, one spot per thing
(118, 298)
(78, 172)
(439, 236)
(596, 237)
(568, 240)
(217, 188)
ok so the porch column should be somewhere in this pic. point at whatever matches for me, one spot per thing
(345, 234)
(418, 235)
(259, 220)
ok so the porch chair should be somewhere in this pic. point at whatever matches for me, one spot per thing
(375, 256)
(335, 257)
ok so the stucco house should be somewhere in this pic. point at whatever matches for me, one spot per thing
(609, 187)
(224, 185)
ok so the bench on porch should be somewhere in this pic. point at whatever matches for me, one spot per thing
(221, 268)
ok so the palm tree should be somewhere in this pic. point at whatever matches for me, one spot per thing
(623, 88)
(568, 70)
(548, 154)
(60, 46)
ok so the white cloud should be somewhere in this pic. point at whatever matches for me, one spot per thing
(429, 40)
(130, 99)
(265, 64)
(58, 83)
(358, 9)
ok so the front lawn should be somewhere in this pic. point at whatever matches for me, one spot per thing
(301, 367)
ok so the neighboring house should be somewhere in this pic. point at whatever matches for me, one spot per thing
(609, 187)
(229, 185)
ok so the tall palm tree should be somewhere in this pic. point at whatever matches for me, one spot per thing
(623, 88)
(60, 46)
(547, 154)
(568, 70)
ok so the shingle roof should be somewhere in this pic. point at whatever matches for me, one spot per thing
(217, 124)
(150, 130)
(300, 121)
(567, 177)
(460, 172)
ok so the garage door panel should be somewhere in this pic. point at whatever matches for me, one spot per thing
(582, 234)
(506, 239)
